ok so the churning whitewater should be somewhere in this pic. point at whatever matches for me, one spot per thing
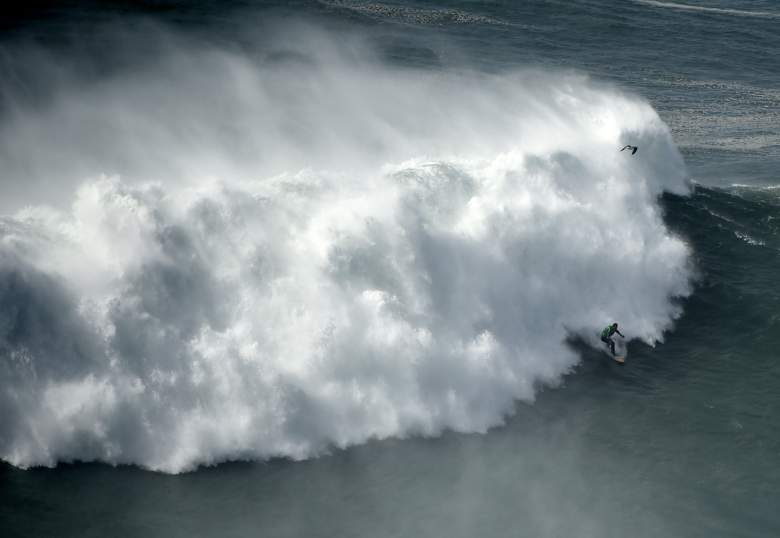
(329, 250)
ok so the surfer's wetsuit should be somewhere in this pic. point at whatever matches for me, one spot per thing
(605, 336)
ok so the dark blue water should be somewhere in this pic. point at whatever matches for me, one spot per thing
(682, 441)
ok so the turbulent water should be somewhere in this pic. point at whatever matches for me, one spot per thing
(370, 248)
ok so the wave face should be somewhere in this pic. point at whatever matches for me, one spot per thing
(316, 249)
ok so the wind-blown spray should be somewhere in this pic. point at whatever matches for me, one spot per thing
(307, 254)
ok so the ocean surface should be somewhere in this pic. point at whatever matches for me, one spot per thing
(339, 268)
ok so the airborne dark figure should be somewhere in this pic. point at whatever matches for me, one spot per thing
(632, 148)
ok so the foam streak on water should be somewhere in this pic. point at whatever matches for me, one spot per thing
(706, 9)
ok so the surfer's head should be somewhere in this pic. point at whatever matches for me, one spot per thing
(614, 325)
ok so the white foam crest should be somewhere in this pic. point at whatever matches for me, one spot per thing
(411, 15)
(418, 263)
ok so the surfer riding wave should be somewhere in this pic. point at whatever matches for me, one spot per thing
(606, 336)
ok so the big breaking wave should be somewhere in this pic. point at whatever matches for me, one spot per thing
(332, 250)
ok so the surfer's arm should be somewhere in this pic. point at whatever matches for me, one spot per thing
(620, 333)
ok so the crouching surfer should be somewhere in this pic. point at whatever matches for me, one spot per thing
(606, 335)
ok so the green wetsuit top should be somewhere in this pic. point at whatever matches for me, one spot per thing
(609, 331)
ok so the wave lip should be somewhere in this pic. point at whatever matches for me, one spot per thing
(422, 274)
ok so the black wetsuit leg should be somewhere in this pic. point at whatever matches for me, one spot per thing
(609, 343)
